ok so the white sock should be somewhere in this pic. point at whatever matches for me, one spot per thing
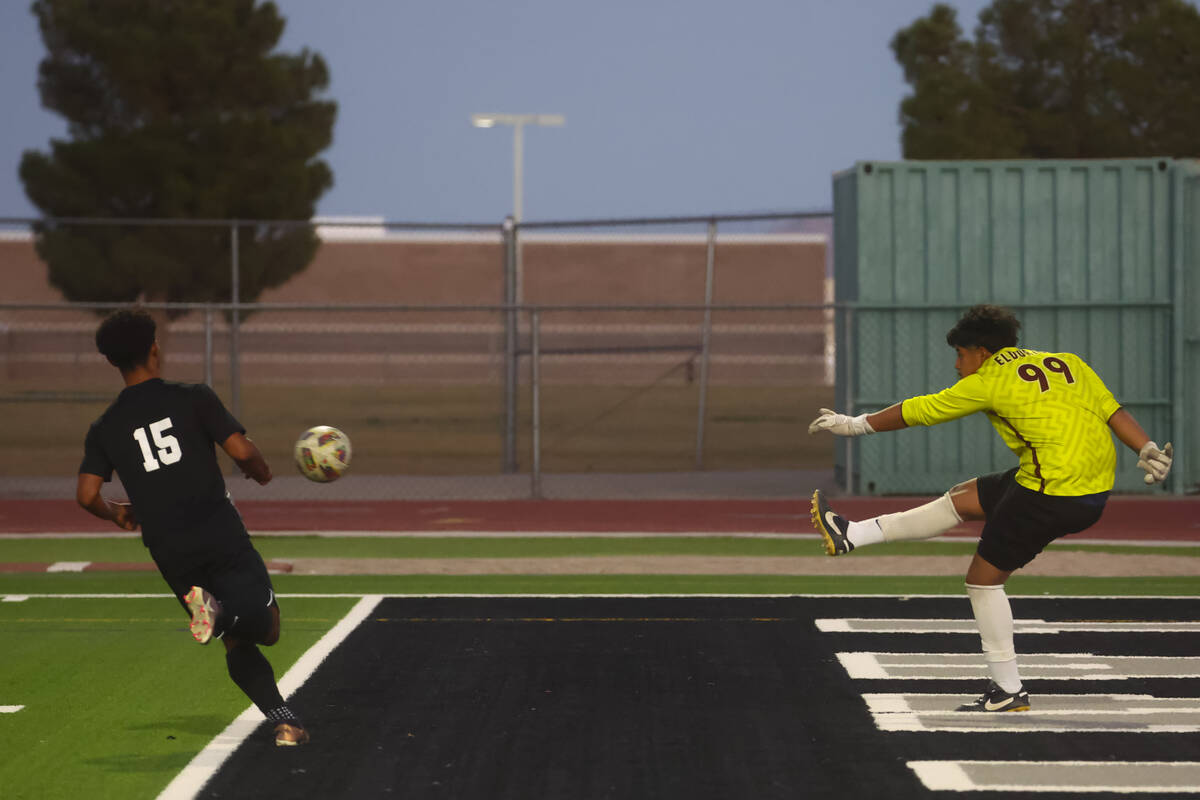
(993, 617)
(923, 522)
(865, 532)
(1005, 674)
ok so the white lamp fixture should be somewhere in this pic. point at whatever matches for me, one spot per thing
(518, 122)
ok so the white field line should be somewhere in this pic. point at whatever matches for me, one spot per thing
(200, 769)
(1029, 722)
(904, 625)
(1105, 776)
(21, 598)
(457, 534)
(899, 666)
(1047, 704)
(943, 776)
(10, 709)
(307, 664)
(888, 704)
(540, 535)
(1105, 542)
(551, 595)
(80, 535)
(68, 566)
(583, 534)
(863, 666)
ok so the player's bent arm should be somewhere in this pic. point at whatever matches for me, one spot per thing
(1128, 430)
(248, 457)
(889, 419)
(87, 494)
(1154, 462)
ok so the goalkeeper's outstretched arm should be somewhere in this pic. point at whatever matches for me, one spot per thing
(889, 419)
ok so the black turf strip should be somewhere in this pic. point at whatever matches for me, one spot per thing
(691, 698)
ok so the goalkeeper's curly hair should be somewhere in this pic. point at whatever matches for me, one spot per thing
(990, 327)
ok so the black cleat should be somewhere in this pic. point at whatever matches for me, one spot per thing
(830, 526)
(996, 699)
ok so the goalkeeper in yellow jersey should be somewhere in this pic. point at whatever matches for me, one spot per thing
(1055, 413)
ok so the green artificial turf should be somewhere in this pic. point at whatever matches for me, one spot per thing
(150, 583)
(40, 549)
(117, 696)
(284, 547)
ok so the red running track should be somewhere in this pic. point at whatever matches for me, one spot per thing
(1126, 518)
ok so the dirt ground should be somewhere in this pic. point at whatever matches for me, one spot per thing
(1100, 565)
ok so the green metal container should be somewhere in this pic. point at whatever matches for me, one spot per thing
(1090, 255)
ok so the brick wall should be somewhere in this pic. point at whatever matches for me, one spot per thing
(467, 269)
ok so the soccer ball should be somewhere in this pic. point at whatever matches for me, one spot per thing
(322, 453)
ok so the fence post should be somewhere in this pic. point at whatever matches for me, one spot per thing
(510, 345)
(848, 360)
(235, 384)
(208, 345)
(6, 354)
(1179, 342)
(536, 401)
(705, 340)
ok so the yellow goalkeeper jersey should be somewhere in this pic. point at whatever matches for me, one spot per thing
(1051, 409)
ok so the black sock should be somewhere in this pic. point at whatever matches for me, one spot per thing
(283, 714)
(252, 673)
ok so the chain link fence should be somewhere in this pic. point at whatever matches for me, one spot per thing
(493, 362)
(421, 392)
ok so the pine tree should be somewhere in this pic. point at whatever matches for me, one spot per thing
(1053, 79)
(176, 109)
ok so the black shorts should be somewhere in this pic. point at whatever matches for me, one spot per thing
(1021, 522)
(239, 580)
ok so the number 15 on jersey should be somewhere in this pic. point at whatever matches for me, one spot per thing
(167, 445)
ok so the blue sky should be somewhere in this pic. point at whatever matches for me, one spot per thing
(672, 107)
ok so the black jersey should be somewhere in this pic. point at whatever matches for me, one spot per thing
(161, 438)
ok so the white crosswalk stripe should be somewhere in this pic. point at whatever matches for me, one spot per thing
(1114, 713)
(1022, 626)
(1075, 666)
(1048, 776)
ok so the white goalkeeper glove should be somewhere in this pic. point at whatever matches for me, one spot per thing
(840, 424)
(1157, 463)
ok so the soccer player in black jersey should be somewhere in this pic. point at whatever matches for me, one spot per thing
(161, 437)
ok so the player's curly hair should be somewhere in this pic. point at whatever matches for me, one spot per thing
(990, 327)
(125, 338)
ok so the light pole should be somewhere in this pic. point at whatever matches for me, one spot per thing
(513, 290)
(518, 123)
